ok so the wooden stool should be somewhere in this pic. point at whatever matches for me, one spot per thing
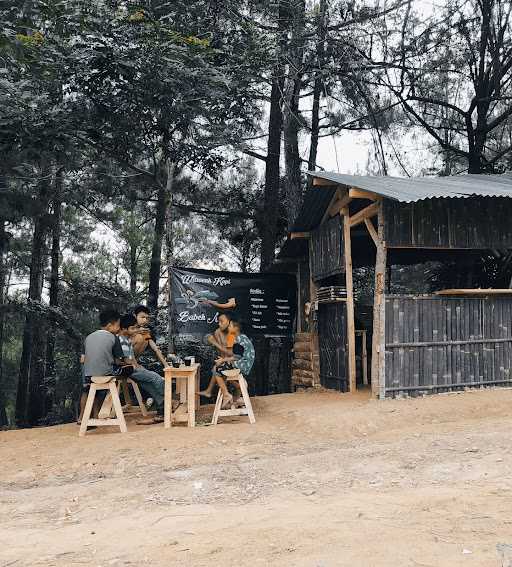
(234, 376)
(107, 408)
(136, 391)
(102, 383)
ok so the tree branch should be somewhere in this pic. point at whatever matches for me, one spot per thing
(437, 102)
(254, 154)
(210, 212)
(499, 119)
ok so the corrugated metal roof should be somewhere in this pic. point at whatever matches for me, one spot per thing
(314, 203)
(411, 189)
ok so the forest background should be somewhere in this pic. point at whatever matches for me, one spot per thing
(140, 135)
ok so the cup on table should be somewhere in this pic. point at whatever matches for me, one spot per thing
(188, 361)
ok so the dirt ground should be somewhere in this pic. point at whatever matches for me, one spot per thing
(322, 479)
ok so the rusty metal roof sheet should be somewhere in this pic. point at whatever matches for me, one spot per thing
(314, 204)
(411, 189)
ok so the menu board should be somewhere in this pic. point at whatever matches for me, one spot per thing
(264, 303)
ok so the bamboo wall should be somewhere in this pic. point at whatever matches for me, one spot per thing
(326, 249)
(449, 223)
(436, 344)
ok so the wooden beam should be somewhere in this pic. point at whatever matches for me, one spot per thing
(361, 194)
(337, 195)
(364, 356)
(351, 329)
(339, 200)
(366, 213)
(477, 291)
(379, 316)
(318, 181)
(337, 207)
(372, 231)
(296, 235)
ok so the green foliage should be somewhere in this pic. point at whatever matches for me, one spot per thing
(101, 101)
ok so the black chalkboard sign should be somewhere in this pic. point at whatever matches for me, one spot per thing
(265, 303)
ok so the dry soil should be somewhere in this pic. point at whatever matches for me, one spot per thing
(322, 479)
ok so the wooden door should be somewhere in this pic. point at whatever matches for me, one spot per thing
(332, 338)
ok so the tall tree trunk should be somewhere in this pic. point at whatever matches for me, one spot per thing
(156, 251)
(293, 182)
(315, 126)
(477, 140)
(133, 268)
(272, 176)
(318, 86)
(51, 381)
(271, 199)
(30, 395)
(245, 256)
(169, 248)
(3, 278)
(292, 120)
(37, 386)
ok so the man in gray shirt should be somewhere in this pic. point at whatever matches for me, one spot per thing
(102, 349)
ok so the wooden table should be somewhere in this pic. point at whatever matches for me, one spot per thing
(187, 383)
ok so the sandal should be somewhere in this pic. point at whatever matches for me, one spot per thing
(150, 420)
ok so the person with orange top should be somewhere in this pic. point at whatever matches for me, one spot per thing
(223, 340)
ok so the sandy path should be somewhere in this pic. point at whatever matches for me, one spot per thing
(321, 480)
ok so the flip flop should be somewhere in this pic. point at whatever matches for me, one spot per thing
(150, 420)
(228, 403)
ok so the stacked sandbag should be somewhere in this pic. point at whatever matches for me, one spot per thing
(305, 362)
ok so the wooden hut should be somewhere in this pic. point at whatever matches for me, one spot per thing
(442, 340)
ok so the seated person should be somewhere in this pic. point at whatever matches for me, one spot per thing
(242, 361)
(223, 340)
(103, 354)
(150, 381)
(143, 338)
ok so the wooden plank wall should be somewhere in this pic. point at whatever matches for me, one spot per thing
(326, 249)
(304, 295)
(449, 223)
(438, 344)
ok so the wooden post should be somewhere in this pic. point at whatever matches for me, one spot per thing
(300, 308)
(313, 329)
(351, 330)
(364, 358)
(379, 315)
